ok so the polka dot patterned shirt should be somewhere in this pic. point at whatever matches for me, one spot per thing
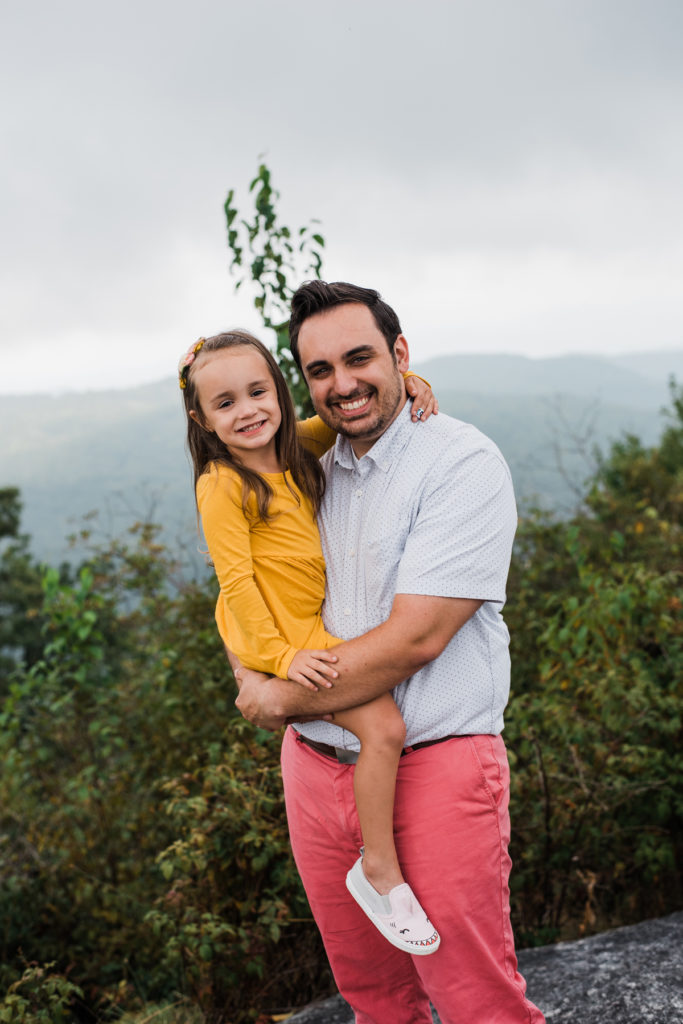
(428, 510)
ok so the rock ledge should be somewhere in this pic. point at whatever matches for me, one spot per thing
(631, 975)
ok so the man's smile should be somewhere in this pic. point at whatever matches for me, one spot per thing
(350, 405)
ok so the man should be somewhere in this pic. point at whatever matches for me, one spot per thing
(417, 528)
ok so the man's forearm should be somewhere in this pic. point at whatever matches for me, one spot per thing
(415, 633)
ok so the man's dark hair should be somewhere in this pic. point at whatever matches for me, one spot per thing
(317, 296)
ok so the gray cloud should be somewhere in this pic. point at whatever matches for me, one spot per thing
(539, 139)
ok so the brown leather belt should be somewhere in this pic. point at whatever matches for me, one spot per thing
(351, 756)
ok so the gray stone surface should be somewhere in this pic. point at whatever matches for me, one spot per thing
(630, 975)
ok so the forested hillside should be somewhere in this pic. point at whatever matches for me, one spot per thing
(121, 452)
(143, 850)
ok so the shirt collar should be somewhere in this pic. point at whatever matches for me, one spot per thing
(386, 448)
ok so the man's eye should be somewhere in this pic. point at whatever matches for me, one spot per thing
(320, 372)
(359, 359)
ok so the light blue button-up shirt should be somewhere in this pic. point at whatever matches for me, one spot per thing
(428, 510)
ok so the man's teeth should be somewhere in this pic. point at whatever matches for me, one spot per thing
(350, 406)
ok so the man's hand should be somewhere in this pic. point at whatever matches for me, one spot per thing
(252, 701)
(258, 701)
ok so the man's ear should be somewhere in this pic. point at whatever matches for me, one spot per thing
(401, 354)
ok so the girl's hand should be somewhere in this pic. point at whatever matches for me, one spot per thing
(422, 396)
(312, 667)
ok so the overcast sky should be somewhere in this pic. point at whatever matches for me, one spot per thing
(507, 173)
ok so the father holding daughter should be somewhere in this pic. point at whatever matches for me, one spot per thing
(417, 528)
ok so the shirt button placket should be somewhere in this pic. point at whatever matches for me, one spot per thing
(351, 568)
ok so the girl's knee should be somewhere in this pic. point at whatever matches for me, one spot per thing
(377, 724)
(394, 732)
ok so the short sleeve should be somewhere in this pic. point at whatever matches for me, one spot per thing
(460, 543)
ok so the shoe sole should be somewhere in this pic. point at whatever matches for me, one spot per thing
(411, 950)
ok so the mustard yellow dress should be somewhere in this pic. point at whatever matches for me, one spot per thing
(271, 575)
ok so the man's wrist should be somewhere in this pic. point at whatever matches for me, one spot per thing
(270, 696)
(288, 700)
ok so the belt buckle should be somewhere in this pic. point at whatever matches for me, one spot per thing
(346, 756)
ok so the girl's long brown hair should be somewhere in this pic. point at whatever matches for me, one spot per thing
(206, 447)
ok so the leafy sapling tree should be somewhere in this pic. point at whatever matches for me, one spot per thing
(275, 259)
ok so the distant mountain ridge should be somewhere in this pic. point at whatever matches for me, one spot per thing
(585, 376)
(122, 452)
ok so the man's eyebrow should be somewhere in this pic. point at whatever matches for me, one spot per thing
(359, 350)
(315, 363)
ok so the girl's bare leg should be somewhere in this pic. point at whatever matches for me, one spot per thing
(382, 732)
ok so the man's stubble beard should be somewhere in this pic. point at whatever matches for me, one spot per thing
(385, 415)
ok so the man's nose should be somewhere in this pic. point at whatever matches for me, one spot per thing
(345, 381)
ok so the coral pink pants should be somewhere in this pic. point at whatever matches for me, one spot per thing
(452, 830)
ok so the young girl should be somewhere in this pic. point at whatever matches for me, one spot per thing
(258, 489)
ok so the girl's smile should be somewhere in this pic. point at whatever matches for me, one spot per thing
(252, 428)
(239, 403)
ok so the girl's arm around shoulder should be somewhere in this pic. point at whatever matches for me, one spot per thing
(419, 391)
(315, 435)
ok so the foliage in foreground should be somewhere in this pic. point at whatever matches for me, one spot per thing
(143, 847)
(594, 726)
(142, 836)
(39, 997)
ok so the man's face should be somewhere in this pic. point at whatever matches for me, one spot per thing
(355, 382)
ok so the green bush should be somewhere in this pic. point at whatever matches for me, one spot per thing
(39, 997)
(594, 724)
(143, 846)
(131, 692)
(234, 891)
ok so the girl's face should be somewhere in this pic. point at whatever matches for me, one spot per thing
(238, 399)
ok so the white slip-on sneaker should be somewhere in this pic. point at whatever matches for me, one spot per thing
(398, 916)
